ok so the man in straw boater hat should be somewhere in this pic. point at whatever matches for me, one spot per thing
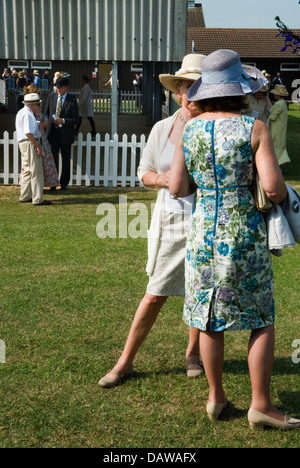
(28, 136)
(166, 253)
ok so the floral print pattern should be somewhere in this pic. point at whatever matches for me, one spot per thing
(49, 167)
(228, 273)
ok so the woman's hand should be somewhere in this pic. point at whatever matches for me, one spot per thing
(162, 180)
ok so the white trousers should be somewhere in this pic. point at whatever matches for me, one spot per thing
(32, 184)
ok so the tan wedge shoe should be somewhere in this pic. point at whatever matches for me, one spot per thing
(194, 368)
(110, 382)
(258, 420)
(214, 409)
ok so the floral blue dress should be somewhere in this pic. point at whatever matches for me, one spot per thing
(228, 272)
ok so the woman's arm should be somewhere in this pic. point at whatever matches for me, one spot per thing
(267, 164)
(180, 183)
(153, 180)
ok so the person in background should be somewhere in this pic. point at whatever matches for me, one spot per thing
(62, 111)
(21, 82)
(258, 104)
(46, 76)
(166, 250)
(278, 122)
(37, 79)
(5, 76)
(85, 105)
(228, 274)
(56, 76)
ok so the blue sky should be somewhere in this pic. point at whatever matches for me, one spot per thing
(250, 13)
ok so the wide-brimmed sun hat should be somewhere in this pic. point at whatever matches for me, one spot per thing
(224, 75)
(190, 70)
(32, 98)
(280, 90)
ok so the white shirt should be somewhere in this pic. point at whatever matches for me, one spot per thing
(26, 123)
(172, 204)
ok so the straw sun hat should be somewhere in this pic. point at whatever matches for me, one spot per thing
(224, 75)
(190, 71)
(280, 90)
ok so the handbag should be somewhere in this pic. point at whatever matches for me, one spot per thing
(263, 203)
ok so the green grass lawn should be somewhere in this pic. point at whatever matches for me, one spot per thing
(67, 302)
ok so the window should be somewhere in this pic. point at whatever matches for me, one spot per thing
(290, 66)
(40, 64)
(18, 64)
(253, 64)
(136, 67)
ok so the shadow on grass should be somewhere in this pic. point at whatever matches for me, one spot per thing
(85, 196)
(281, 367)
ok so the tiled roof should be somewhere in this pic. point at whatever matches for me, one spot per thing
(250, 43)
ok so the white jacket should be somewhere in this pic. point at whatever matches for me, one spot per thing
(150, 162)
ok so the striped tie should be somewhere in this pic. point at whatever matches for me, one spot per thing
(59, 107)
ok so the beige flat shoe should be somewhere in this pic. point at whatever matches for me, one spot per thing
(110, 382)
(194, 368)
(258, 420)
(214, 409)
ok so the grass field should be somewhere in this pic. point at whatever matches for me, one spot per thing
(67, 301)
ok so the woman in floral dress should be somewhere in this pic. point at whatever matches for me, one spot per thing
(228, 274)
(49, 167)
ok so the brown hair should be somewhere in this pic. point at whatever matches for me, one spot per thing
(224, 104)
(30, 89)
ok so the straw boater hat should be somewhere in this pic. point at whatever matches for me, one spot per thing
(190, 71)
(32, 98)
(280, 90)
(224, 75)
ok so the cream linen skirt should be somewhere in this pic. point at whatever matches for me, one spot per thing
(167, 278)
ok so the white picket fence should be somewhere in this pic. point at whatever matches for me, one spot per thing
(94, 162)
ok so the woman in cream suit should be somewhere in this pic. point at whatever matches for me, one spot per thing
(278, 123)
(166, 250)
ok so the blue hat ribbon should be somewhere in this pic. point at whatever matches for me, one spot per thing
(233, 74)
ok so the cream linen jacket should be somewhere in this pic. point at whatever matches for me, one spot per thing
(278, 127)
(150, 162)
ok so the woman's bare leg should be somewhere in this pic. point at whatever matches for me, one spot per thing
(143, 321)
(193, 349)
(212, 353)
(260, 361)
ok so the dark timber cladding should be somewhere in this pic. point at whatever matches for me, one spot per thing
(110, 30)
